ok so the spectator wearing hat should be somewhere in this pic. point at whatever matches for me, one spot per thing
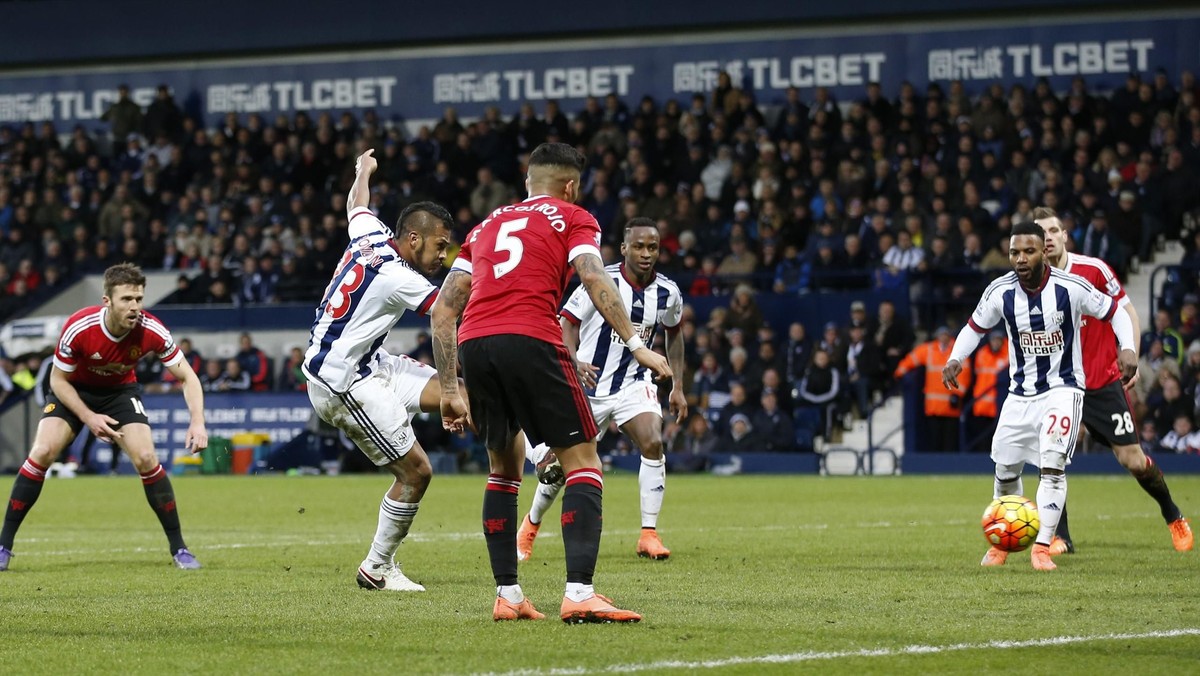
(740, 437)
(942, 406)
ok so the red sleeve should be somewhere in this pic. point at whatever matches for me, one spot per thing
(583, 234)
(566, 314)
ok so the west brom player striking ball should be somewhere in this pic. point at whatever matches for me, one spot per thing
(358, 387)
(507, 282)
(92, 383)
(1106, 412)
(617, 389)
(1042, 311)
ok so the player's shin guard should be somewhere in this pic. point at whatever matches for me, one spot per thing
(500, 526)
(395, 518)
(1051, 496)
(652, 485)
(582, 509)
(25, 492)
(1152, 481)
(543, 498)
(161, 496)
(1008, 480)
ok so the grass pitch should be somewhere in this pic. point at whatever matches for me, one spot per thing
(767, 575)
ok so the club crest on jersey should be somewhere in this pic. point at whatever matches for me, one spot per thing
(1055, 319)
(49, 408)
(1041, 343)
(135, 352)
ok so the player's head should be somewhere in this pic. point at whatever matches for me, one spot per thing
(640, 246)
(554, 169)
(124, 292)
(423, 234)
(1056, 235)
(1026, 252)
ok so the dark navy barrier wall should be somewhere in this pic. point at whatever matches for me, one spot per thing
(282, 416)
(418, 84)
(134, 29)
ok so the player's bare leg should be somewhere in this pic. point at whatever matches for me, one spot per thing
(645, 430)
(582, 511)
(500, 529)
(412, 474)
(137, 443)
(53, 435)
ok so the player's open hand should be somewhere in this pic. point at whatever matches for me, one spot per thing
(587, 373)
(197, 438)
(653, 361)
(104, 427)
(950, 374)
(678, 404)
(456, 415)
(1128, 363)
(366, 162)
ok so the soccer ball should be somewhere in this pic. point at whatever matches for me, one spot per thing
(1011, 523)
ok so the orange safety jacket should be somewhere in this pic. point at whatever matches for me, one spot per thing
(988, 367)
(938, 400)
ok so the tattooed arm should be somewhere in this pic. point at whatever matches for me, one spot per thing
(607, 299)
(451, 301)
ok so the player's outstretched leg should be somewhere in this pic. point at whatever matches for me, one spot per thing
(25, 492)
(582, 510)
(379, 571)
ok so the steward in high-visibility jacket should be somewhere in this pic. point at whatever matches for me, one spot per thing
(991, 361)
(932, 356)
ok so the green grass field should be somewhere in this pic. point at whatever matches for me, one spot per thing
(768, 575)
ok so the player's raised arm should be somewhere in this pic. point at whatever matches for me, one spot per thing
(193, 394)
(360, 190)
(607, 299)
(448, 307)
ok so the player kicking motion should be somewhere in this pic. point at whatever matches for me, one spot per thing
(357, 386)
(1042, 310)
(507, 283)
(92, 383)
(1106, 412)
(618, 389)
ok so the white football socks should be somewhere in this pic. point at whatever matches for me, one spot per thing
(1051, 497)
(577, 591)
(652, 484)
(510, 592)
(543, 497)
(395, 518)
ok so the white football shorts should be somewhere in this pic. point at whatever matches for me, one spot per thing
(631, 401)
(377, 412)
(1031, 426)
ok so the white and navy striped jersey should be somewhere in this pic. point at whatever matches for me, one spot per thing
(658, 303)
(371, 287)
(1043, 326)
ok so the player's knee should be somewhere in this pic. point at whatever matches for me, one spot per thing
(1006, 473)
(1131, 458)
(1053, 463)
(652, 449)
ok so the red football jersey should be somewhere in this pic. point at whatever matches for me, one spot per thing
(1098, 340)
(93, 357)
(519, 259)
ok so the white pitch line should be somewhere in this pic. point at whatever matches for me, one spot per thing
(811, 656)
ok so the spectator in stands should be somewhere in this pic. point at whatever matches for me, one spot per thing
(772, 425)
(291, 375)
(1171, 341)
(692, 447)
(711, 386)
(214, 374)
(254, 363)
(741, 437)
(743, 311)
(1182, 437)
(797, 352)
(739, 404)
(235, 379)
(124, 118)
(863, 367)
(740, 263)
(820, 388)
(1168, 403)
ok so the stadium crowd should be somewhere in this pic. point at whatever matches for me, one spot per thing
(799, 195)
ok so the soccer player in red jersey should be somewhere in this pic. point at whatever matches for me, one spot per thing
(507, 283)
(93, 384)
(1106, 411)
